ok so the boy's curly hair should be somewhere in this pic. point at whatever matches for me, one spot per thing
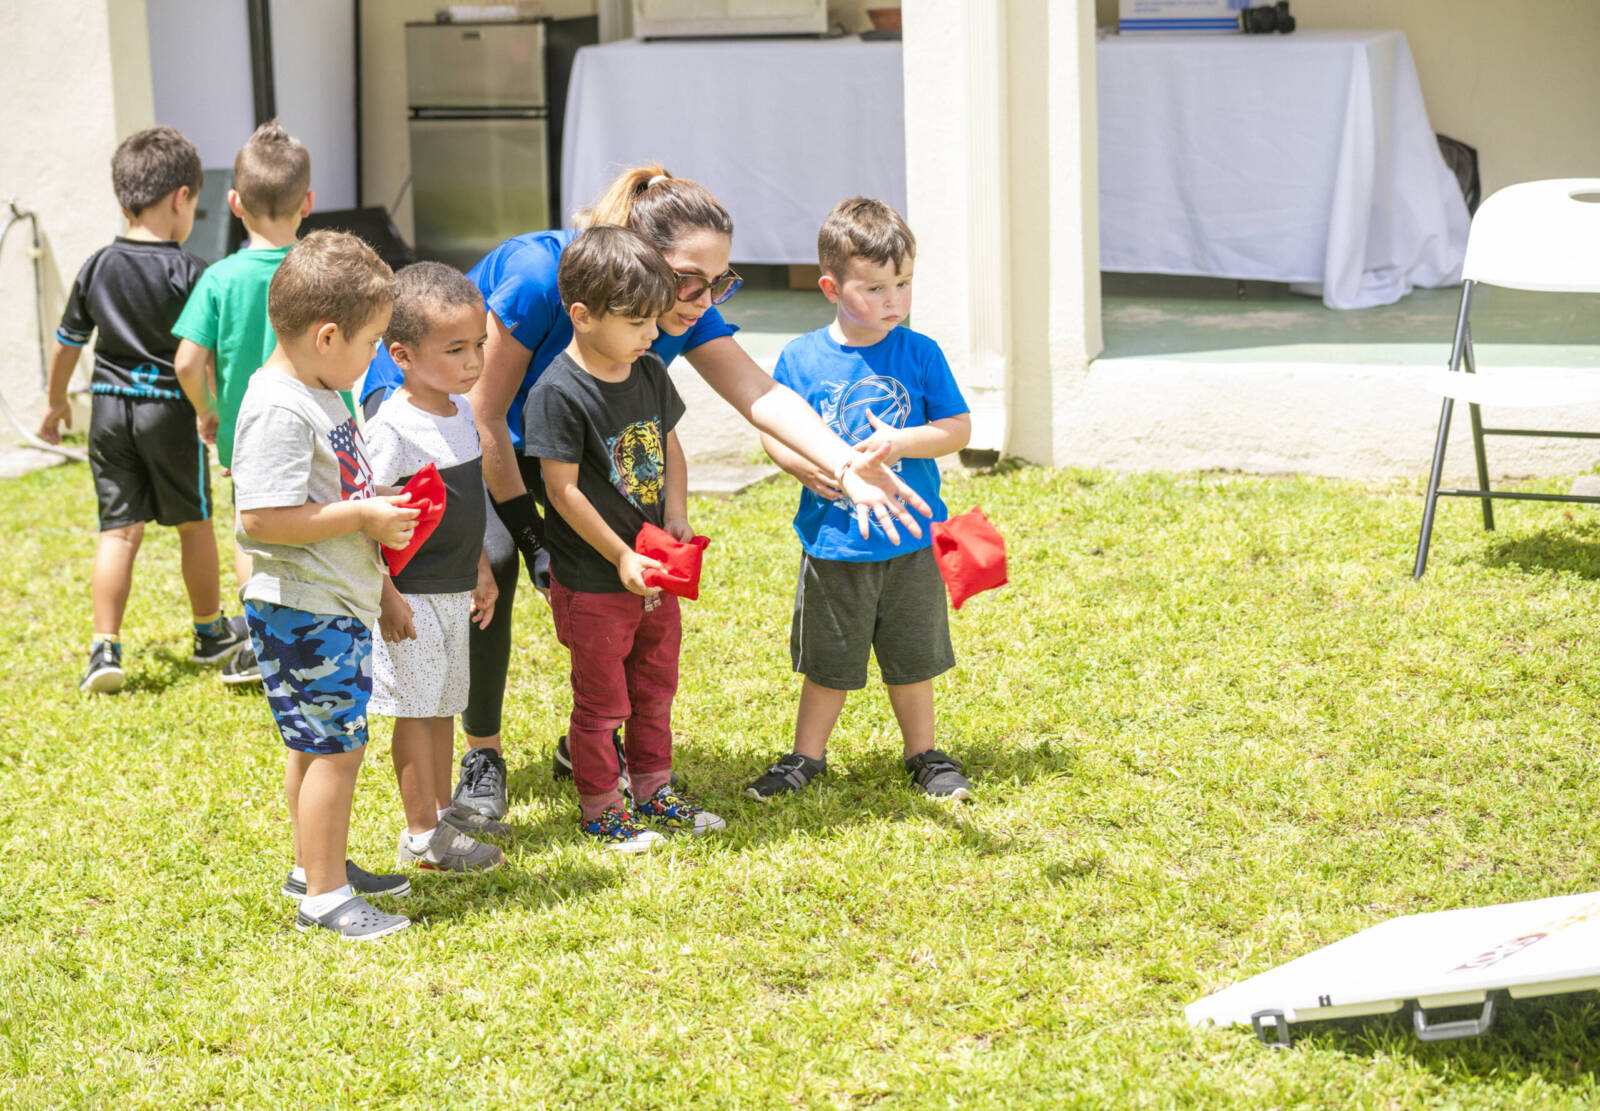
(422, 290)
(328, 277)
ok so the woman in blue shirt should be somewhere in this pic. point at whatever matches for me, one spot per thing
(528, 328)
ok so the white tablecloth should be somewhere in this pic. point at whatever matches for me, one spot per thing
(1295, 158)
(780, 130)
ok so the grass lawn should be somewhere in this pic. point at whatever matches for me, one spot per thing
(1212, 721)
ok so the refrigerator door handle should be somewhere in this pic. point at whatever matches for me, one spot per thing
(529, 113)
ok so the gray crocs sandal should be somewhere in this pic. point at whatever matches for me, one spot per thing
(355, 919)
(361, 881)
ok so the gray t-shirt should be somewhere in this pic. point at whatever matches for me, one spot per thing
(294, 444)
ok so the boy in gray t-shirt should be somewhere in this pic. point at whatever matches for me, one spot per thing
(309, 515)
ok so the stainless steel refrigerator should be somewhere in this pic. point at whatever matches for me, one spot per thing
(480, 144)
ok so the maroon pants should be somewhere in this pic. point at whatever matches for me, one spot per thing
(624, 673)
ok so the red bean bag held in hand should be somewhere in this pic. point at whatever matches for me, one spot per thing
(971, 555)
(681, 560)
(427, 494)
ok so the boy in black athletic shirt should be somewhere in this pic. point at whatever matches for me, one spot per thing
(145, 454)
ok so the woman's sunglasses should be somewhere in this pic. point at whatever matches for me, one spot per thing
(691, 286)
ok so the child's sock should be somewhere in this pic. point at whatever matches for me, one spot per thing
(592, 806)
(109, 638)
(315, 906)
(443, 812)
(646, 784)
(419, 841)
(212, 626)
(298, 873)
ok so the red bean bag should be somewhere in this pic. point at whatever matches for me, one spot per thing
(970, 553)
(427, 494)
(680, 560)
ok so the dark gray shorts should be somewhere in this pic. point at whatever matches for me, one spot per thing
(148, 462)
(894, 608)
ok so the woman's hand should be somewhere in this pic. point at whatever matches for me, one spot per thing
(484, 595)
(881, 494)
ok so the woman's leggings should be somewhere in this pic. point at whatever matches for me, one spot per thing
(489, 650)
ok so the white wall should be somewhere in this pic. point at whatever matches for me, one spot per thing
(1515, 80)
(200, 69)
(76, 81)
(200, 58)
(314, 74)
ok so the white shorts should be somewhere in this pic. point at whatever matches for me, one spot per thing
(426, 677)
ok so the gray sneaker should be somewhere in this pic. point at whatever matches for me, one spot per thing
(242, 668)
(482, 786)
(355, 919)
(361, 881)
(470, 821)
(938, 775)
(790, 772)
(449, 850)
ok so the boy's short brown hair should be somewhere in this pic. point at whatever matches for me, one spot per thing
(611, 269)
(151, 163)
(422, 290)
(863, 228)
(271, 172)
(329, 276)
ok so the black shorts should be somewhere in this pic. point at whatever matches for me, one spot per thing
(148, 462)
(894, 609)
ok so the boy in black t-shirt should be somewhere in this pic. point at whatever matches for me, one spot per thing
(600, 421)
(145, 454)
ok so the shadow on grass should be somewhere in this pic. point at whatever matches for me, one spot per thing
(1555, 1038)
(869, 789)
(1575, 550)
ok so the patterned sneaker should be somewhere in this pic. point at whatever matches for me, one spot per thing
(791, 773)
(470, 821)
(355, 919)
(617, 832)
(676, 814)
(217, 649)
(362, 882)
(449, 850)
(482, 787)
(938, 775)
(241, 669)
(105, 674)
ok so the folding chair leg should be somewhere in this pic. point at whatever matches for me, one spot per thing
(1433, 489)
(1477, 436)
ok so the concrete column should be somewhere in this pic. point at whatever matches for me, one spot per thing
(77, 81)
(1001, 184)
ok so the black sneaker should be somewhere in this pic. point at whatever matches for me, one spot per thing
(482, 787)
(938, 775)
(362, 882)
(105, 674)
(242, 669)
(217, 649)
(791, 773)
(561, 765)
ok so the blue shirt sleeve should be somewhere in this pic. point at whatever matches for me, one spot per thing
(525, 297)
(383, 375)
(710, 326)
(941, 396)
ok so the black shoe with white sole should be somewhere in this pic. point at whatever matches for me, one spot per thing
(362, 882)
(938, 775)
(790, 772)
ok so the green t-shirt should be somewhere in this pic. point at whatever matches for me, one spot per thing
(227, 314)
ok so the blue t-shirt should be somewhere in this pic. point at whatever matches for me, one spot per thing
(904, 381)
(518, 280)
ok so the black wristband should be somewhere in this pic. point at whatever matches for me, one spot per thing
(521, 519)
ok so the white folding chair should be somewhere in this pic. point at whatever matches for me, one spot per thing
(1539, 235)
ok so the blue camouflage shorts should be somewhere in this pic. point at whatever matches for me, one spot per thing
(316, 670)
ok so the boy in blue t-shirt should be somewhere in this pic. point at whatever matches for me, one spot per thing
(861, 593)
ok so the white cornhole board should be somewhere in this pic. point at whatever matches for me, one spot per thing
(1452, 958)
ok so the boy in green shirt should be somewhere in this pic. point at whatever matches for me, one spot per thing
(223, 330)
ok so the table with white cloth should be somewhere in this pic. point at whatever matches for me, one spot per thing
(780, 130)
(1301, 158)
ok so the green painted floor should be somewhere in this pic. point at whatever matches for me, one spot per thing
(1203, 320)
